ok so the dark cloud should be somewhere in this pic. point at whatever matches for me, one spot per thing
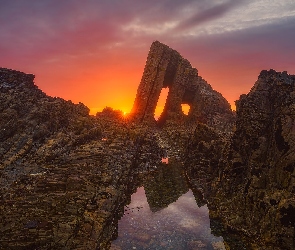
(208, 14)
(45, 28)
(232, 61)
(38, 30)
(270, 44)
(48, 28)
(41, 28)
(158, 12)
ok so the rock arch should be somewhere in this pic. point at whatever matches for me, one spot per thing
(165, 67)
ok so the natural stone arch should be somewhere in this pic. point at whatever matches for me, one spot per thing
(165, 67)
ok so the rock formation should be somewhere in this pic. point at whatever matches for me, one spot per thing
(164, 68)
(250, 187)
(65, 176)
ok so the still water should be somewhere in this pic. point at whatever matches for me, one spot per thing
(163, 214)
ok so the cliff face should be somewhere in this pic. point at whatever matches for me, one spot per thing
(65, 176)
(251, 186)
(28, 117)
(164, 68)
(262, 158)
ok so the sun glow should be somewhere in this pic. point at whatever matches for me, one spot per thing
(185, 108)
(161, 102)
(93, 111)
(233, 107)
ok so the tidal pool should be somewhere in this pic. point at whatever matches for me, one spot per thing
(148, 224)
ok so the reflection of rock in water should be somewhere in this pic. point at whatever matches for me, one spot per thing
(165, 186)
(182, 225)
(199, 197)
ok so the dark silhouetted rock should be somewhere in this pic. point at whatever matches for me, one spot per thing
(251, 185)
(65, 176)
(165, 67)
(165, 186)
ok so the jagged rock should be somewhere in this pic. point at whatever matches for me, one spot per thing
(165, 67)
(65, 176)
(252, 188)
(110, 114)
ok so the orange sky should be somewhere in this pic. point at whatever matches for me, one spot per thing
(94, 52)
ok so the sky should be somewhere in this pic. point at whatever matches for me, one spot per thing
(94, 51)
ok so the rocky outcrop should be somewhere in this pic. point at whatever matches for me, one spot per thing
(65, 176)
(250, 188)
(164, 68)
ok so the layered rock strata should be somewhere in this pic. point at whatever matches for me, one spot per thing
(65, 176)
(250, 187)
(164, 68)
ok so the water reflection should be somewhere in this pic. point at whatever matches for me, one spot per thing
(164, 186)
(163, 214)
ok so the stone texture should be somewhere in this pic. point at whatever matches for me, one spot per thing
(249, 181)
(165, 67)
(65, 176)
